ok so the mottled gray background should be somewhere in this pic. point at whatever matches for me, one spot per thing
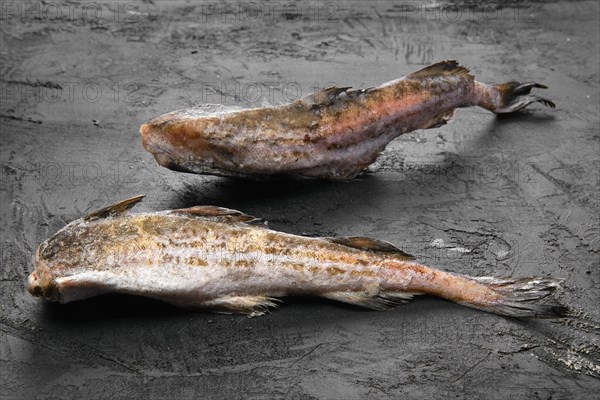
(484, 195)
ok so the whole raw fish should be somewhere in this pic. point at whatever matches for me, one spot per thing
(334, 133)
(221, 260)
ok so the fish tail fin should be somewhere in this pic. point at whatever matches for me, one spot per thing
(509, 97)
(519, 297)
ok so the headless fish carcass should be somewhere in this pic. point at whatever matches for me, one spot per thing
(222, 260)
(332, 134)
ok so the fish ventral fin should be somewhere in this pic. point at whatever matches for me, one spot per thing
(251, 305)
(324, 96)
(379, 302)
(114, 210)
(443, 68)
(222, 213)
(370, 244)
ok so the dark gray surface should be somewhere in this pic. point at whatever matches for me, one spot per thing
(519, 193)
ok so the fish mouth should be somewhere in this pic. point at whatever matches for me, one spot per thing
(33, 285)
(38, 288)
(156, 145)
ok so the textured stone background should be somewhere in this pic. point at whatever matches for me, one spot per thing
(484, 195)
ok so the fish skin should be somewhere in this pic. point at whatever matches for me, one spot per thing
(222, 260)
(332, 134)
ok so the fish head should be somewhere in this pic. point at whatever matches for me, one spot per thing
(160, 141)
(188, 140)
(55, 258)
(173, 140)
(41, 282)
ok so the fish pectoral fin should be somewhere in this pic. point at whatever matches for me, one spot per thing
(217, 212)
(114, 210)
(380, 302)
(439, 120)
(252, 306)
(370, 244)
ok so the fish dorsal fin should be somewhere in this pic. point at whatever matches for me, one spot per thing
(443, 68)
(324, 96)
(357, 92)
(218, 212)
(114, 210)
(369, 244)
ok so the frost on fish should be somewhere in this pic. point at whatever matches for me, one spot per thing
(334, 133)
(222, 260)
